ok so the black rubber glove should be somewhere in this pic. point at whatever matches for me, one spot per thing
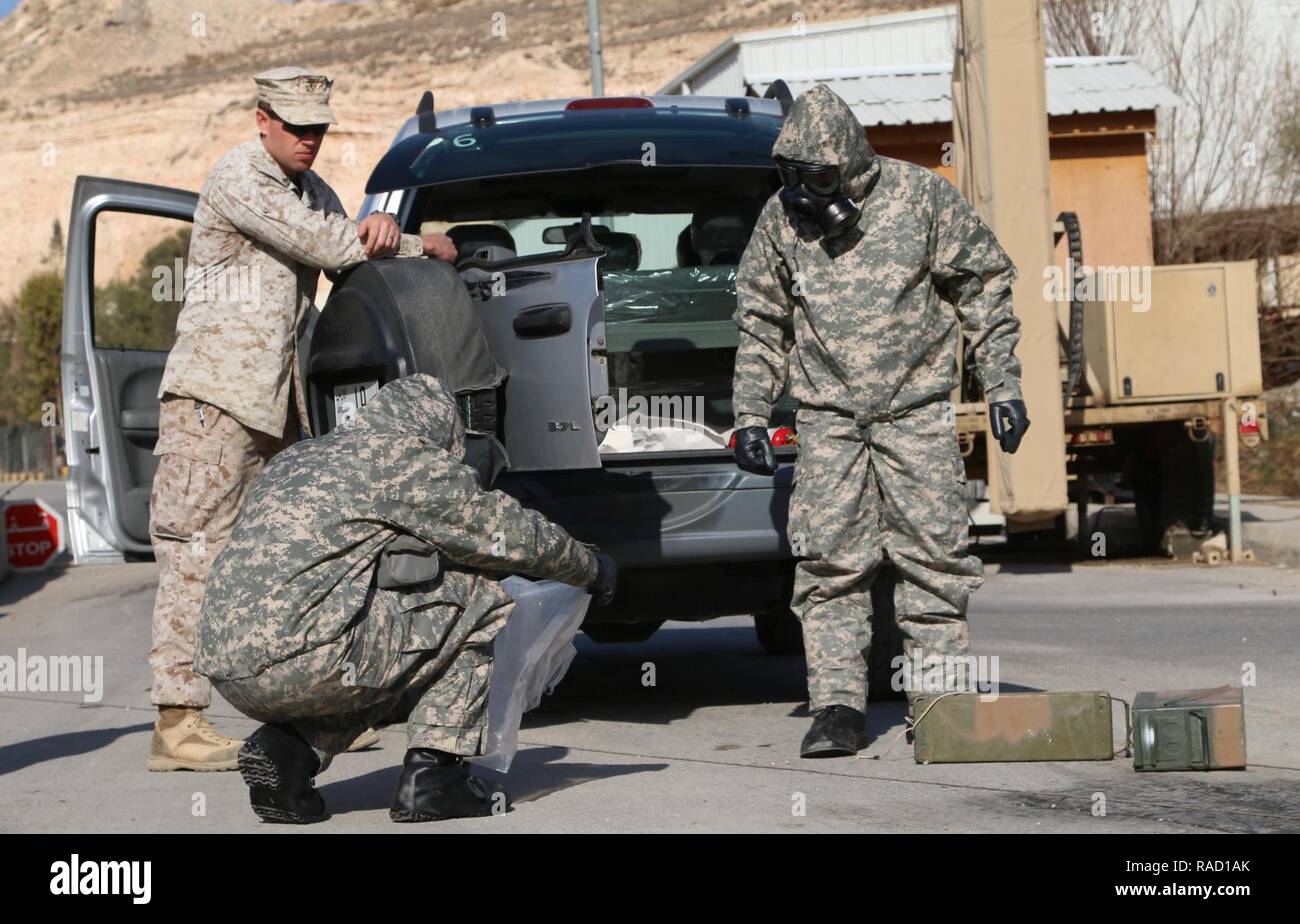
(754, 452)
(1009, 420)
(606, 580)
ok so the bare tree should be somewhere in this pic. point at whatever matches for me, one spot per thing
(1076, 28)
(1218, 152)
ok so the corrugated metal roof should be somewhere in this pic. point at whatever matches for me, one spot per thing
(898, 38)
(923, 95)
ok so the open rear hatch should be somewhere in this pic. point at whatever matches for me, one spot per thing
(541, 317)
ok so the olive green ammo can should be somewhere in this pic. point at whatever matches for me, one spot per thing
(963, 728)
(1190, 730)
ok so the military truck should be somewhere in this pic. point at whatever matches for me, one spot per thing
(1130, 377)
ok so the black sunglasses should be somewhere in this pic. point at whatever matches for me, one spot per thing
(822, 180)
(300, 131)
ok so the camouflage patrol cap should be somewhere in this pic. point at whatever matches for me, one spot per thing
(297, 95)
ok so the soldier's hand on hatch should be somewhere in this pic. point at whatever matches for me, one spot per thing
(439, 246)
(754, 452)
(379, 234)
(606, 579)
(1008, 420)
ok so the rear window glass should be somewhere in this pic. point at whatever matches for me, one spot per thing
(663, 136)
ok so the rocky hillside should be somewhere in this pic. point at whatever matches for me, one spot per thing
(156, 90)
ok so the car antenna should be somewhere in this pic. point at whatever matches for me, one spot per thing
(428, 118)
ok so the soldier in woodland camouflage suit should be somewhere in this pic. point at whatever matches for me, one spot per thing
(299, 630)
(851, 291)
(264, 228)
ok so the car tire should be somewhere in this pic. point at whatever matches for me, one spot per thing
(779, 632)
(397, 317)
(886, 638)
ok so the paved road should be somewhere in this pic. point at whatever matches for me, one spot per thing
(712, 746)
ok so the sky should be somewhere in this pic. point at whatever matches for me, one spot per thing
(6, 7)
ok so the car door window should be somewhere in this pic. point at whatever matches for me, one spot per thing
(139, 280)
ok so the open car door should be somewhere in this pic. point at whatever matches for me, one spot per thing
(123, 286)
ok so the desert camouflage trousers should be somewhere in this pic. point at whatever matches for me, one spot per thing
(432, 665)
(208, 463)
(885, 487)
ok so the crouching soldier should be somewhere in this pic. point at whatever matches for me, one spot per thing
(319, 622)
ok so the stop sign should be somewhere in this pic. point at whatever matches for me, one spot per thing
(34, 532)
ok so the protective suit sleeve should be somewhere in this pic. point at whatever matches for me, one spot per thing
(442, 503)
(974, 274)
(764, 316)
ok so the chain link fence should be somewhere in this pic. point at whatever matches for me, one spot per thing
(31, 452)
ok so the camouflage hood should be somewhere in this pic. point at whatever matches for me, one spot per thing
(822, 129)
(418, 408)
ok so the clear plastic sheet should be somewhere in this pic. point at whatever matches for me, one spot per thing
(687, 306)
(530, 657)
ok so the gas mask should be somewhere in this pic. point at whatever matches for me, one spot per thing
(811, 193)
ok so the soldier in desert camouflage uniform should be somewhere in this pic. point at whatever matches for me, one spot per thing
(851, 290)
(299, 630)
(264, 228)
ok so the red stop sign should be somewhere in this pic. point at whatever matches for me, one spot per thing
(34, 533)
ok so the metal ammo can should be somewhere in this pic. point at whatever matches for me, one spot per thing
(968, 727)
(1190, 730)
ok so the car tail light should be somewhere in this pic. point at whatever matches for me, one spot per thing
(1250, 435)
(781, 436)
(611, 102)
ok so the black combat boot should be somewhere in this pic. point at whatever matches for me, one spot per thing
(837, 731)
(277, 766)
(435, 786)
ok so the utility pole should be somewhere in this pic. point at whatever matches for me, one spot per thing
(593, 37)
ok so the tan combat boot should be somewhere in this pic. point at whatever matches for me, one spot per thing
(183, 739)
(367, 739)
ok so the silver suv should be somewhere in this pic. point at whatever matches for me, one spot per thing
(598, 240)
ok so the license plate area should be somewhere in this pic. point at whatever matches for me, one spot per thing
(350, 399)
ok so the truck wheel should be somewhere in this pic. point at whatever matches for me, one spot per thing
(608, 633)
(886, 638)
(1178, 490)
(779, 632)
(1187, 484)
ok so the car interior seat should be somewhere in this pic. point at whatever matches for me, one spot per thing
(720, 229)
(472, 240)
(624, 250)
(686, 255)
(624, 247)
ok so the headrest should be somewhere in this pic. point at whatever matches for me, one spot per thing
(686, 255)
(470, 238)
(720, 229)
(624, 250)
(624, 247)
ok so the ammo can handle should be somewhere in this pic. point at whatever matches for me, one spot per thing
(1127, 749)
(1205, 734)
